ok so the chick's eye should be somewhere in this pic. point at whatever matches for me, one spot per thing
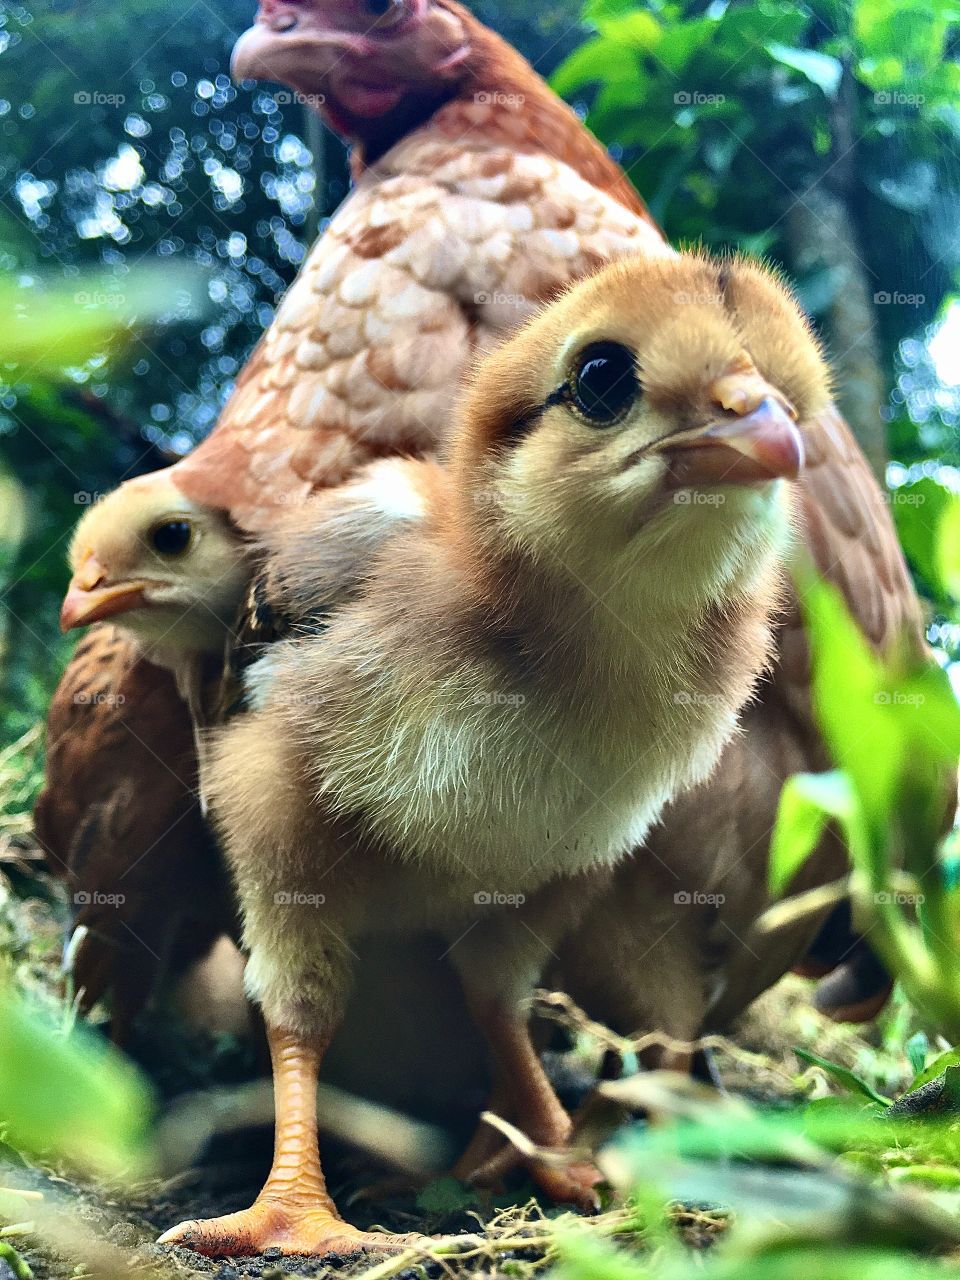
(384, 12)
(171, 538)
(604, 383)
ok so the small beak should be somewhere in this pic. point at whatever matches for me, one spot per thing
(761, 443)
(89, 599)
(251, 58)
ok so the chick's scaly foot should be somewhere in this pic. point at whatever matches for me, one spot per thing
(292, 1229)
(574, 1184)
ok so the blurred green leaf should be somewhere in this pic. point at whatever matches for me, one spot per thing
(850, 700)
(936, 1068)
(917, 1048)
(807, 803)
(50, 328)
(13, 1260)
(948, 546)
(74, 1095)
(848, 1079)
(900, 39)
(918, 510)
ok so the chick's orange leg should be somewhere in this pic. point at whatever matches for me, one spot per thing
(535, 1109)
(294, 1211)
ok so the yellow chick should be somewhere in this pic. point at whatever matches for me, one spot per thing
(491, 714)
(169, 572)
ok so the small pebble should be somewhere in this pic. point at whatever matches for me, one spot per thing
(273, 1253)
(123, 1233)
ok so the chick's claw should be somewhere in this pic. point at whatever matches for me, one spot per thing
(266, 1225)
(573, 1184)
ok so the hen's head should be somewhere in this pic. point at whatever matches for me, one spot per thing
(650, 414)
(168, 571)
(358, 61)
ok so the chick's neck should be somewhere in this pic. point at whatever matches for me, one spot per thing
(544, 625)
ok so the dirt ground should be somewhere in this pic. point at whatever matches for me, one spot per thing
(67, 1227)
(112, 1231)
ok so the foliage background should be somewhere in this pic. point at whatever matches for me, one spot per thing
(826, 136)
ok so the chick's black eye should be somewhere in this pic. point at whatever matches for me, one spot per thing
(604, 383)
(171, 538)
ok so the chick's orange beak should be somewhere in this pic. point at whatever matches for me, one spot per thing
(90, 598)
(757, 441)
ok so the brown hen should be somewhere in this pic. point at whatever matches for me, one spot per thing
(478, 195)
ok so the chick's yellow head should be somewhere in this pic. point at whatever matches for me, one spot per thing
(658, 404)
(167, 570)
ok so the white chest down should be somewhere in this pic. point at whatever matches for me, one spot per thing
(512, 791)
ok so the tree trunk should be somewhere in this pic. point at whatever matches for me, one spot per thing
(823, 238)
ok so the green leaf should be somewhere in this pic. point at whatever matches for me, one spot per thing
(597, 12)
(445, 1196)
(584, 1256)
(852, 699)
(13, 1260)
(846, 1078)
(807, 803)
(48, 329)
(638, 29)
(917, 512)
(905, 36)
(590, 64)
(75, 1096)
(927, 1175)
(937, 1067)
(819, 68)
(948, 547)
(917, 1047)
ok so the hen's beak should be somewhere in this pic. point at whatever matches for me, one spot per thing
(90, 598)
(255, 53)
(759, 442)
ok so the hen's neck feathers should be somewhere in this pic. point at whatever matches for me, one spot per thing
(501, 99)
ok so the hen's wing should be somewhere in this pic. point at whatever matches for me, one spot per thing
(848, 531)
(120, 823)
